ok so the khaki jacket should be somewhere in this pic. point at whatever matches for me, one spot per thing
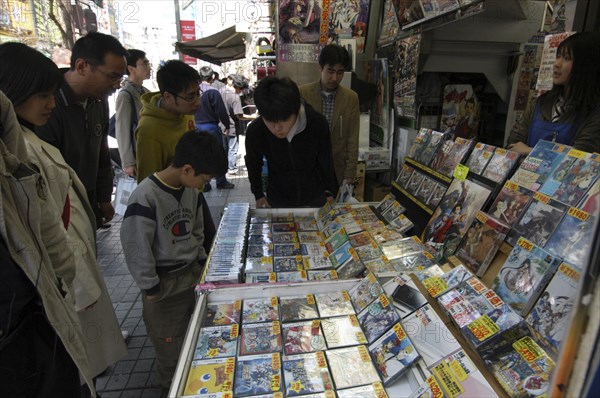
(344, 127)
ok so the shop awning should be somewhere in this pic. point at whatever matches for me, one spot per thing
(226, 45)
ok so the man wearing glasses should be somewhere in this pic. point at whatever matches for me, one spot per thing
(78, 126)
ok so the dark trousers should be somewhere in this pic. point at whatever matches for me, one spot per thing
(215, 131)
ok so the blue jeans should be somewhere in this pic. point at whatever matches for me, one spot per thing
(232, 150)
(215, 131)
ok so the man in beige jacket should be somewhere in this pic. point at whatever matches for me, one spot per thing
(340, 107)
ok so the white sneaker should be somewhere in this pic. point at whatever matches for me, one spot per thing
(232, 172)
(125, 334)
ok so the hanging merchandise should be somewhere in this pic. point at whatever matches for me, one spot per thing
(405, 79)
(389, 26)
(379, 123)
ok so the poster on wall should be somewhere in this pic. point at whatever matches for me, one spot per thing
(551, 43)
(377, 73)
(302, 29)
(389, 26)
(350, 45)
(460, 111)
(348, 19)
(405, 78)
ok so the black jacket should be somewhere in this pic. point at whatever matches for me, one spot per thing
(300, 173)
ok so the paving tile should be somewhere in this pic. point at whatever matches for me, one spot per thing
(136, 342)
(153, 380)
(136, 312)
(101, 382)
(124, 367)
(130, 297)
(152, 393)
(130, 323)
(117, 382)
(124, 306)
(111, 394)
(133, 353)
(138, 380)
(132, 393)
(140, 330)
(147, 353)
(143, 365)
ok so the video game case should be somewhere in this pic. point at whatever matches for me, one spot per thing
(351, 269)
(334, 304)
(316, 262)
(314, 249)
(457, 375)
(259, 264)
(285, 237)
(351, 367)
(310, 237)
(260, 229)
(336, 240)
(425, 190)
(360, 239)
(210, 376)
(415, 182)
(458, 154)
(510, 203)
(481, 243)
(374, 390)
(393, 354)
(377, 317)
(481, 155)
(306, 226)
(260, 310)
(322, 275)
(259, 251)
(500, 165)
(260, 239)
(258, 374)
(283, 264)
(460, 311)
(260, 217)
(524, 275)
(284, 217)
(402, 223)
(539, 164)
(292, 276)
(444, 152)
(342, 331)
(298, 308)
(306, 374)
(404, 176)
(401, 248)
(218, 314)
(438, 285)
(302, 337)
(420, 142)
(436, 140)
(260, 338)
(331, 228)
(387, 201)
(287, 250)
(415, 262)
(217, 342)
(305, 217)
(365, 292)
(369, 252)
(573, 237)
(439, 190)
(383, 234)
(393, 211)
(551, 313)
(342, 255)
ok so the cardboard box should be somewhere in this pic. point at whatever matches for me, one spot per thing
(375, 190)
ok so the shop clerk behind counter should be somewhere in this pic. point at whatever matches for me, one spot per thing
(570, 112)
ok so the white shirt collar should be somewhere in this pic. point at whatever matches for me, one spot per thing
(300, 124)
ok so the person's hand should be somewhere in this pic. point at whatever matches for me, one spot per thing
(520, 147)
(330, 199)
(131, 171)
(349, 181)
(153, 297)
(226, 132)
(262, 203)
(107, 211)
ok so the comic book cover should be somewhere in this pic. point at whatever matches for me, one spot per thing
(259, 240)
(551, 312)
(479, 158)
(218, 314)
(302, 337)
(351, 366)
(285, 237)
(523, 370)
(386, 202)
(210, 376)
(404, 175)
(458, 154)
(483, 239)
(292, 276)
(360, 239)
(415, 262)
(572, 239)
(342, 331)
(316, 262)
(415, 182)
(261, 277)
(425, 189)
(364, 292)
(510, 203)
(428, 153)
(524, 275)
(393, 354)
(260, 310)
(378, 266)
(377, 317)
(539, 220)
(306, 374)
(283, 227)
(259, 264)
(438, 285)
(260, 338)
(259, 251)
(429, 335)
(450, 220)
(283, 264)
(437, 194)
(537, 166)
(217, 342)
(334, 304)
(310, 236)
(322, 275)
(573, 177)
(374, 390)
(257, 374)
(351, 269)
(420, 142)
(458, 376)
(500, 165)
(298, 308)
(336, 240)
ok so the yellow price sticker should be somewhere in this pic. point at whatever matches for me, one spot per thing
(458, 371)
(460, 172)
(483, 328)
(435, 285)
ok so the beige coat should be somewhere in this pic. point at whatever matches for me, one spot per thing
(344, 127)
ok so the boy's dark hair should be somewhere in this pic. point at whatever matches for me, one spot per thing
(133, 56)
(216, 75)
(94, 46)
(202, 151)
(333, 54)
(24, 71)
(176, 76)
(277, 98)
(206, 73)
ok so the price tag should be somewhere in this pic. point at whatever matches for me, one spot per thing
(483, 328)
(435, 285)
(460, 172)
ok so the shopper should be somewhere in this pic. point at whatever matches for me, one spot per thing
(570, 112)
(78, 127)
(128, 107)
(29, 79)
(212, 112)
(162, 237)
(294, 139)
(340, 107)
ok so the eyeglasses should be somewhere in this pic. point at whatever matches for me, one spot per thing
(113, 76)
(189, 98)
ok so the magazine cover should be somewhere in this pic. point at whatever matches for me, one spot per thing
(284, 237)
(282, 264)
(298, 308)
(217, 342)
(260, 310)
(260, 338)
(257, 374)
(500, 165)
(551, 312)
(524, 275)
(374, 390)
(377, 317)
(458, 376)
(537, 166)
(510, 203)
(302, 337)
(481, 155)
(306, 374)
(450, 220)
(404, 175)
(322, 275)
(334, 304)
(483, 239)
(210, 376)
(393, 354)
(572, 239)
(292, 276)
(364, 292)
(351, 366)
(539, 220)
(342, 331)
(218, 314)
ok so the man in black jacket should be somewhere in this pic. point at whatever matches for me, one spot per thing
(294, 140)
